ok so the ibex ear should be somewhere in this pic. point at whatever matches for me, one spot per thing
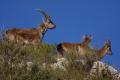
(109, 42)
(84, 36)
(91, 37)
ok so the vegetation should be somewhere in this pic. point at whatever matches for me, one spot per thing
(25, 62)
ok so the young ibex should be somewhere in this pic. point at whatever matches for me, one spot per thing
(68, 47)
(97, 54)
(106, 49)
(32, 36)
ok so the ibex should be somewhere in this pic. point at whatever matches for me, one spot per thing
(97, 54)
(68, 47)
(99, 66)
(106, 49)
(31, 35)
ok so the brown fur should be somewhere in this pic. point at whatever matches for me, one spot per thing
(68, 47)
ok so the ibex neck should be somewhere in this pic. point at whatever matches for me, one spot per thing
(42, 29)
(101, 53)
(84, 44)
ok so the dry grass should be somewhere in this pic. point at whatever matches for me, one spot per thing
(25, 62)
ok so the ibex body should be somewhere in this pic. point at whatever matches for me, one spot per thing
(72, 47)
(31, 35)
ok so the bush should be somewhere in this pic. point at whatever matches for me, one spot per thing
(25, 62)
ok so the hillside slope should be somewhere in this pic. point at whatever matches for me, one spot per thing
(41, 62)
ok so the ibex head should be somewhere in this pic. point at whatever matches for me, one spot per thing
(47, 20)
(86, 39)
(107, 46)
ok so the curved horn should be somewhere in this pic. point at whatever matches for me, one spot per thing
(47, 17)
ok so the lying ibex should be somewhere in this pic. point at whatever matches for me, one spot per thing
(68, 47)
(31, 35)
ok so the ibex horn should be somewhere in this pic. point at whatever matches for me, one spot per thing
(47, 17)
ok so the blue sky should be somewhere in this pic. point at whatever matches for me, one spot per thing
(74, 18)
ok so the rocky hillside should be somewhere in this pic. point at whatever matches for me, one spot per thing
(41, 62)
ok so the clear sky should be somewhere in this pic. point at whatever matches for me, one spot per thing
(74, 18)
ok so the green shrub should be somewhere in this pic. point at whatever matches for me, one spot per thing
(14, 59)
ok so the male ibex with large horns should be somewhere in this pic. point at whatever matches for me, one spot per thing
(31, 36)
